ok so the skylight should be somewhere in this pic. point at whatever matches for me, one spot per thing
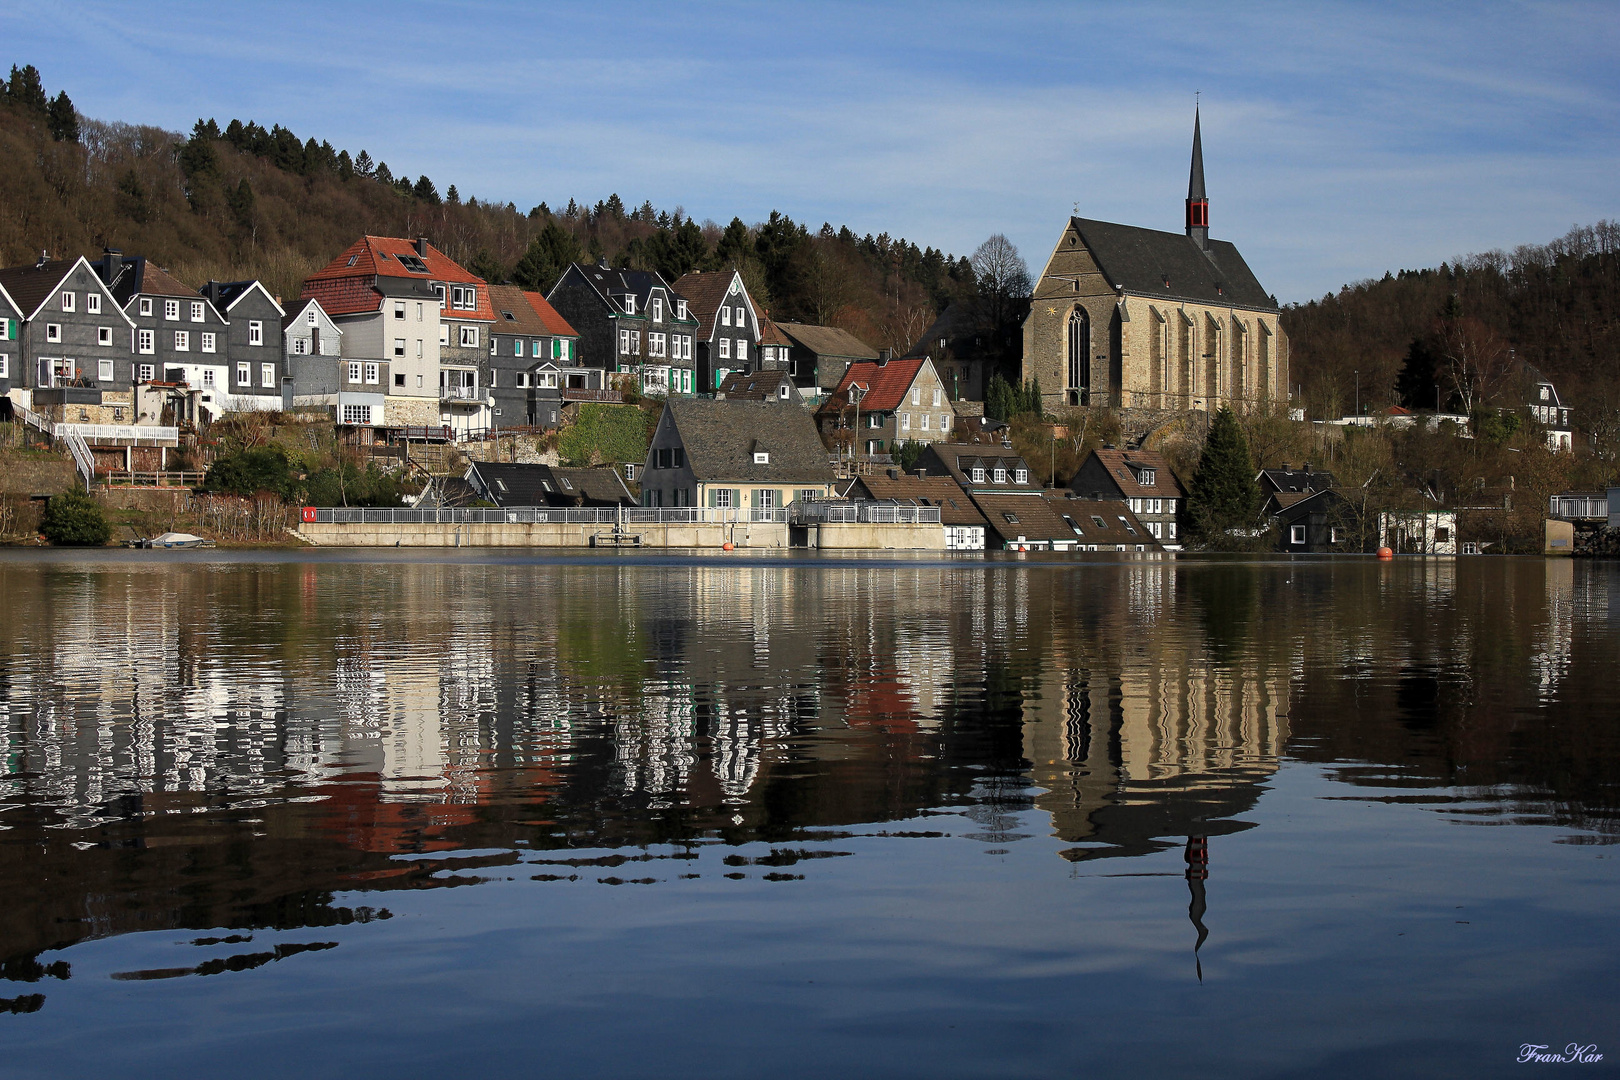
(412, 263)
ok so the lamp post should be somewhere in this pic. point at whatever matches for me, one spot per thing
(1358, 392)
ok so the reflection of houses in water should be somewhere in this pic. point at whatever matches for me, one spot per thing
(1554, 639)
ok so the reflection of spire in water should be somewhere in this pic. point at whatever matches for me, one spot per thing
(1197, 856)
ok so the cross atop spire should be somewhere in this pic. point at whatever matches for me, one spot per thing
(1197, 199)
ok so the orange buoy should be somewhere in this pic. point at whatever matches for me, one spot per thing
(728, 546)
(1385, 553)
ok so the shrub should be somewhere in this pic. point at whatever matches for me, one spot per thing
(250, 471)
(74, 519)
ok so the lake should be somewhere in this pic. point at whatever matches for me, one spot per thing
(503, 814)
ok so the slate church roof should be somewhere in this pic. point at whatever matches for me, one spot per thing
(1148, 262)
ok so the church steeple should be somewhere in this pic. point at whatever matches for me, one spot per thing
(1197, 200)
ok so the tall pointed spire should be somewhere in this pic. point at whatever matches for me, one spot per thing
(1197, 200)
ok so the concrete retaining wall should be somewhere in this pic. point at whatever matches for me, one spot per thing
(839, 536)
(742, 534)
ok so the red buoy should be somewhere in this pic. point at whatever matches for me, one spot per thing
(728, 546)
(1385, 553)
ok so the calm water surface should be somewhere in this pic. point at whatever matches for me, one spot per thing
(505, 816)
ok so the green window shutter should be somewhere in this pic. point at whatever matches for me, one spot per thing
(711, 497)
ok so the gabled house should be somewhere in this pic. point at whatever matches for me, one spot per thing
(180, 337)
(967, 351)
(1309, 521)
(818, 356)
(980, 469)
(1140, 477)
(312, 347)
(964, 525)
(512, 484)
(1549, 411)
(253, 344)
(734, 455)
(774, 347)
(1302, 481)
(70, 357)
(11, 323)
(631, 322)
(529, 345)
(759, 386)
(882, 402)
(728, 331)
(394, 300)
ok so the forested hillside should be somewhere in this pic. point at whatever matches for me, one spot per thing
(1448, 337)
(241, 200)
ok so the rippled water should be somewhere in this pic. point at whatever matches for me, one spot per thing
(497, 815)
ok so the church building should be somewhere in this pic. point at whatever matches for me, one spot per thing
(1127, 317)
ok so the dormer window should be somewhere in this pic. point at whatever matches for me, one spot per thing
(1147, 477)
(1544, 394)
(762, 457)
(629, 303)
(680, 309)
(1001, 475)
(782, 391)
(978, 475)
(658, 309)
(1020, 476)
(439, 290)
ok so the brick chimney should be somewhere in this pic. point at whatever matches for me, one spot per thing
(421, 246)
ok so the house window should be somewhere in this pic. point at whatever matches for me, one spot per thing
(399, 309)
(53, 331)
(5, 366)
(146, 306)
(309, 318)
(399, 347)
(1148, 477)
(764, 499)
(656, 345)
(399, 379)
(629, 304)
(680, 309)
(208, 378)
(244, 374)
(419, 348)
(517, 346)
(916, 396)
(182, 341)
(372, 371)
(944, 421)
(725, 347)
(1156, 529)
(267, 375)
(657, 309)
(874, 420)
(354, 371)
(1020, 476)
(978, 475)
(535, 349)
(762, 457)
(1296, 534)
(925, 421)
(444, 333)
(936, 397)
(1172, 527)
(722, 498)
(118, 414)
(196, 311)
(171, 309)
(1000, 475)
(725, 316)
(357, 414)
(103, 335)
(1442, 536)
(440, 290)
(255, 333)
(92, 303)
(419, 312)
(146, 372)
(905, 421)
(104, 370)
(208, 341)
(742, 350)
(298, 346)
(469, 337)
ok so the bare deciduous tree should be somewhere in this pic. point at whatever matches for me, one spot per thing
(1003, 278)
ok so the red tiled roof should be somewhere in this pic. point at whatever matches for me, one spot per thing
(886, 384)
(371, 257)
(1123, 466)
(555, 323)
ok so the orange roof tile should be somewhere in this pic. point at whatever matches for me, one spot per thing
(371, 257)
(555, 323)
(886, 384)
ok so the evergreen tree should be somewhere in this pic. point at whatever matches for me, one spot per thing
(453, 197)
(197, 157)
(487, 266)
(63, 119)
(1223, 495)
(25, 91)
(74, 519)
(425, 190)
(734, 247)
(547, 257)
(241, 203)
(363, 165)
(384, 177)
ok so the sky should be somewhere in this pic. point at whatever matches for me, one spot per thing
(1340, 140)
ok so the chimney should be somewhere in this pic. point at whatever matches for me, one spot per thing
(421, 246)
(922, 472)
(883, 356)
(44, 257)
(112, 261)
(212, 292)
(894, 474)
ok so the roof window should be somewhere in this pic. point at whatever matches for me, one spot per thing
(509, 316)
(1099, 522)
(412, 263)
(1012, 519)
(762, 457)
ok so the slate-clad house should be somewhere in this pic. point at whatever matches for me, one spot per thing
(631, 322)
(71, 357)
(258, 362)
(728, 333)
(1303, 480)
(964, 525)
(818, 356)
(1140, 477)
(773, 385)
(890, 401)
(180, 337)
(312, 345)
(529, 346)
(1549, 410)
(758, 456)
(775, 350)
(1310, 521)
(513, 484)
(966, 352)
(11, 321)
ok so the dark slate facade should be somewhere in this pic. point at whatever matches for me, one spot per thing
(254, 345)
(74, 342)
(630, 321)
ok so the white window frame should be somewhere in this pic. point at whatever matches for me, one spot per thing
(373, 374)
(267, 375)
(1296, 534)
(171, 310)
(742, 320)
(725, 348)
(722, 499)
(104, 335)
(198, 312)
(725, 316)
(1020, 476)
(680, 310)
(629, 303)
(311, 318)
(53, 332)
(927, 418)
(469, 337)
(905, 421)
(977, 475)
(742, 349)
(69, 302)
(146, 305)
(146, 342)
(145, 372)
(104, 371)
(182, 341)
(354, 371)
(208, 341)
(658, 309)
(244, 374)
(944, 421)
(399, 347)
(255, 332)
(92, 303)
(999, 474)
(357, 415)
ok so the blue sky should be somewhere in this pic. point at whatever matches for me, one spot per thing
(1340, 140)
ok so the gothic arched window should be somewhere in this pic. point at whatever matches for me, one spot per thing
(1080, 352)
